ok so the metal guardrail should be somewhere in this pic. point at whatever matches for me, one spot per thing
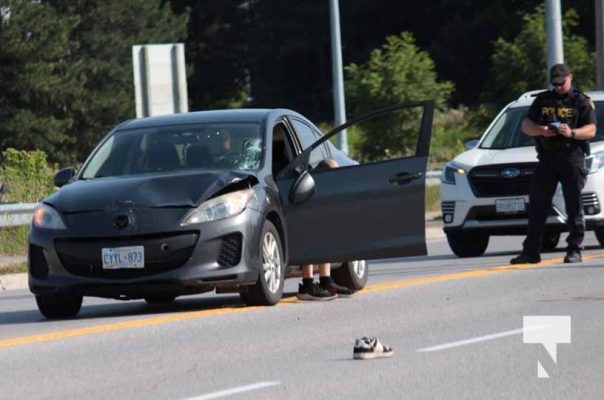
(16, 214)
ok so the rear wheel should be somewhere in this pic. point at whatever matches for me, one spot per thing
(352, 274)
(268, 289)
(468, 244)
(59, 305)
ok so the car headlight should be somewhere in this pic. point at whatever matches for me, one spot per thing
(46, 217)
(448, 175)
(594, 162)
(220, 207)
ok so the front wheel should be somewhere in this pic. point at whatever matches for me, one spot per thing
(468, 244)
(352, 274)
(59, 305)
(268, 289)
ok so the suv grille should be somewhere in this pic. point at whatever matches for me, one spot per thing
(501, 179)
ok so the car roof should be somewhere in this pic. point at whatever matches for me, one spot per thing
(231, 115)
(526, 99)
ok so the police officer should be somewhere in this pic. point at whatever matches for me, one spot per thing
(561, 120)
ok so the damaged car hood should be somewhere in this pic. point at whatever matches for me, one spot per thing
(149, 191)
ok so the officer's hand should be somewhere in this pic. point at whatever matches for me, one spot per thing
(565, 130)
(546, 132)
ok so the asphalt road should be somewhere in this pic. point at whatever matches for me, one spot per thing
(456, 326)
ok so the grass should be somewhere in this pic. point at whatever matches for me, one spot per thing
(13, 240)
(432, 198)
(16, 268)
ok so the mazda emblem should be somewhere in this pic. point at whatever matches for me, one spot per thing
(122, 221)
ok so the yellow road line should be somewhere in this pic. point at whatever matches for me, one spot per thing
(182, 316)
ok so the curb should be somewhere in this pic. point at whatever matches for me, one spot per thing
(13, 281)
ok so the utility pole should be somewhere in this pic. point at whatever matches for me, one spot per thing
(599, 10)
(553, 26)
(338, 80)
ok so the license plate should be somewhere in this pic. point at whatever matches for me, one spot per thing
(123, 257)
(509, 206)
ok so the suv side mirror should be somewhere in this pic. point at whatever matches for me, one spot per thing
(471, 143)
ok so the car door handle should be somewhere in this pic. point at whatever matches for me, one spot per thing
(402, 178)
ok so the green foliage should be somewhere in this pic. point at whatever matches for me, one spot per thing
(396, 72)
(66, 70)
(27, 176)
(13, 240)
(520, 65)
(432, 198)
(16, 268)
(451, 129)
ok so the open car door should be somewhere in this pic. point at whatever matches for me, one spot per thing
(371, 210)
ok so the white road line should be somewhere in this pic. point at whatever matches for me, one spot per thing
(236, 390)
(478, 339)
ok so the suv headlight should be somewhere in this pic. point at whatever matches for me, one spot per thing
(448, 175)
(227, 205)
(594, 162)
(46, 217)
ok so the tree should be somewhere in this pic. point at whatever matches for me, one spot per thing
(396, 72)
(36, 79)
(66, 76)
(519, 65)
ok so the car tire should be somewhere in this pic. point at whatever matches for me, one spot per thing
(352, 274)
(160, 299)
(599, 231)
(468, 244)
(550, 240)
(268, 289)
(59, 305)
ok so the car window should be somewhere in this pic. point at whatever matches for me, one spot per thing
(283, 151)
(307, 136)
(230, 146)
(506, 131)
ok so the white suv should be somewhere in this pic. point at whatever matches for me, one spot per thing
(484, 190)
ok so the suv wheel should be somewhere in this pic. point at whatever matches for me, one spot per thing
(468, 244)
(550, 240)
(599, 231)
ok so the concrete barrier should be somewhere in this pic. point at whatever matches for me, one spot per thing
(16, 214)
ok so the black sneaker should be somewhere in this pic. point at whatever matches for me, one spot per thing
(341, 291)
(573, 257)
(525, 258)
(368, 348)
(314, 292)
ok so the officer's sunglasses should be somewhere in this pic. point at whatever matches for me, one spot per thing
(559, 84)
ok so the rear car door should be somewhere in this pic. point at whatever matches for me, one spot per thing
(374, 209)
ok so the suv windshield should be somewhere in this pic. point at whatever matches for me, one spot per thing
(230, 146)
(506, 132)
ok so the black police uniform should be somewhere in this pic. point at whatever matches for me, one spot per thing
(561, 160)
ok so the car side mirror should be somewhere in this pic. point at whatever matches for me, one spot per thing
(63, 177)
(302, 189)
(470, 144)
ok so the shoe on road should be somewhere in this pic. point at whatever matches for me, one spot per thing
(369, 348)
(314, 292)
